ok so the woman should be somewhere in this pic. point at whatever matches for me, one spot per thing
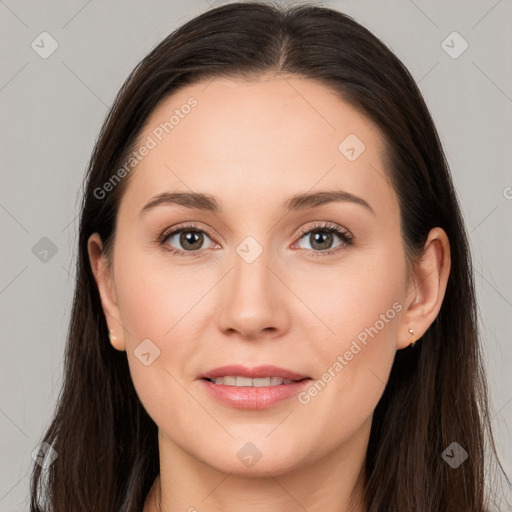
(274, 307)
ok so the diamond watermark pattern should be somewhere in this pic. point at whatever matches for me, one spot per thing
(44, 250)
(146, 352)
(44, 455)
(249, 249)
(454, 45)
(44, 45)
(351, 147)
(454, 455)
(249, 454)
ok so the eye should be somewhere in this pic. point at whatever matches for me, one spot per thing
(189, 238)
(320, 238)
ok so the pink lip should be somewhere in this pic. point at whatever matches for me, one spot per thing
(252, 397)
(253, 373)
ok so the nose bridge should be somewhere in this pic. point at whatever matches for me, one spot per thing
(248, 300)
(250, 268)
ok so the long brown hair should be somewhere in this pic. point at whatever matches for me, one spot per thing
(107, 444)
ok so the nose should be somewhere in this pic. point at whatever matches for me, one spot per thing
(253, 298)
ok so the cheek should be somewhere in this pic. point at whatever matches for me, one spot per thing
(346, 301)
(154, 298)
(160, 304)
(155, 305)
(357, 309)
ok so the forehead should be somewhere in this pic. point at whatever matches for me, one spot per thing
(272, 137)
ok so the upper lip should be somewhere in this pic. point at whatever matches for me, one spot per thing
(253, 373)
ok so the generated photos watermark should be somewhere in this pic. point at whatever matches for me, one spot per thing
(151, 142)
(344, 359)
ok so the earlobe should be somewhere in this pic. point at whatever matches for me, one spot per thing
(427, 288)
(105, 283)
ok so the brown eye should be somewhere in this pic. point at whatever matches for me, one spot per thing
(192, 240)
(321, 238)
(185, 239)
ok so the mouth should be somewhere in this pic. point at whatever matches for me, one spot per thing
(243, 382)
(252, 388)
(259, 376)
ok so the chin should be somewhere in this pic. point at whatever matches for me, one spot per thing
(246, 459)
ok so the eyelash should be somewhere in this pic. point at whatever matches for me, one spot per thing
(346, 238)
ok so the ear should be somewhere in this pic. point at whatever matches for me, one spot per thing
(103, 275)
(426, 288)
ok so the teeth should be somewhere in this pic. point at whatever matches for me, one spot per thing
(239, 381)
(243, 381)
(266, 381)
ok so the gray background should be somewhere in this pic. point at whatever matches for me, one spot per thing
(52, 110)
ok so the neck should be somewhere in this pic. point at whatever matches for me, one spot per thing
(333, 483)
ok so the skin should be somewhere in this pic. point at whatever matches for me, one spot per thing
(253, 145)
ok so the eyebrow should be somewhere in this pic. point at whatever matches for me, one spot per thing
(207, 202)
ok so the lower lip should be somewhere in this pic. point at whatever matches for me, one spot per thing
(251, 397)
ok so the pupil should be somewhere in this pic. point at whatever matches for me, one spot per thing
(319, 236)
(188, 237)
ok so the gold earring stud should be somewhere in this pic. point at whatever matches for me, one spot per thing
(411, 331)
(112, 336)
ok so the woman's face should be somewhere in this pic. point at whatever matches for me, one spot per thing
(259, 289)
